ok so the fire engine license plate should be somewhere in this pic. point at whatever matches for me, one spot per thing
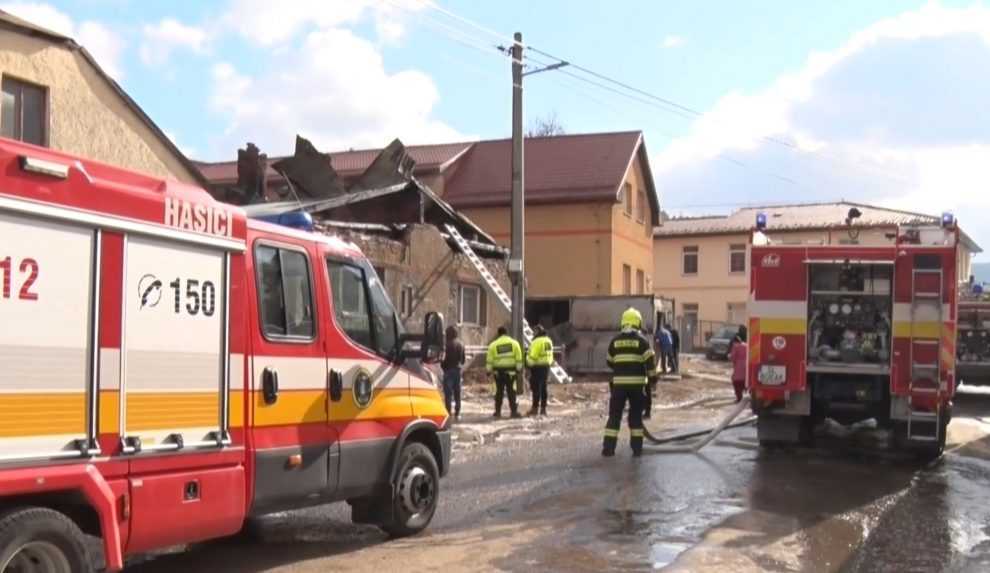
(773, 375)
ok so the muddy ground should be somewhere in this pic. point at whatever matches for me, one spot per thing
(535, 495)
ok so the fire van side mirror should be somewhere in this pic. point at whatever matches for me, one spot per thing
(433, 328)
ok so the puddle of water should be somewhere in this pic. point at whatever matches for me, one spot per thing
(664, 553)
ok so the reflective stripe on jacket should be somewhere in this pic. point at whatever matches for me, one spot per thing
(631, 359)
(504, 354)
(540, 352)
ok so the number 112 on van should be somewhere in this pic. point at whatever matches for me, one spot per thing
(27, 273)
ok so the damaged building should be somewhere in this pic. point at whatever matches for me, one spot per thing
(591, 207)
(399, 222)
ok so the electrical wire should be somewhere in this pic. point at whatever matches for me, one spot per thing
(665, 104)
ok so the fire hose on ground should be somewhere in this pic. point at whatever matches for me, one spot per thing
(657, 445)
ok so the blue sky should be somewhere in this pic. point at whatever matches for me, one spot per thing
(879, 101)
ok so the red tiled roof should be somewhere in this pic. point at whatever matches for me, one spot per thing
(561, 168)
(428, 158)
(585, 167)
(792, 217)
(798, 217)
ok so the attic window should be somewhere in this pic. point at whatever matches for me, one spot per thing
(24, 112)
(627, 199)
(641, 206)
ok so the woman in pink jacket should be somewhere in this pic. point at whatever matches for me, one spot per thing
(738, 356)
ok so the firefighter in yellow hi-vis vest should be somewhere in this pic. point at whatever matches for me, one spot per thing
(633, 365)
(539, 359)
(505, 363)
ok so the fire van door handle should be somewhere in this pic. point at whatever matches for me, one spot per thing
(269, 385)
(336, 384)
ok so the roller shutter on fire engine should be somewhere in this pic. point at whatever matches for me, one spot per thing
(173, 342)
(46, 280)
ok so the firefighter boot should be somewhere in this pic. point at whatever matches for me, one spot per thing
(609, 443)
(636, 442)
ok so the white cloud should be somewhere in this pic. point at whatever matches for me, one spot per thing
(99, 40)
(895, 116)
(161, 39)
(673, 41)
(270, 23)
(333, 89)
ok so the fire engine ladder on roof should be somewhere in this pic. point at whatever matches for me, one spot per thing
(556, 371)
(926, 372)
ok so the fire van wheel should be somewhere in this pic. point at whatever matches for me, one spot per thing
(39, 540)
(416, 492)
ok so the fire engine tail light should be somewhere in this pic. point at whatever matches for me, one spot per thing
(44, 167)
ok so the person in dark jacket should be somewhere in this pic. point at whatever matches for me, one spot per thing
(675, 353)
(453, 360)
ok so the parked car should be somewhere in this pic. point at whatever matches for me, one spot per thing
(720, 343)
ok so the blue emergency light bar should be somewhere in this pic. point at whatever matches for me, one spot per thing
(761, 221)
(948, 220)
(294, 219)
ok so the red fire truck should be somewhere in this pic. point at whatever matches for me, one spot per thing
(171, 368)
(853, 332)
(973, 346)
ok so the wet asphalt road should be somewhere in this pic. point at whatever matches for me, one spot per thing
(841, 507)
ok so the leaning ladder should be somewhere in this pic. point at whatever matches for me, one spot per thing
(556, 370)
(926, 377)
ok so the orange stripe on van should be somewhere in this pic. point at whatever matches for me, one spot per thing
(46, 414)
(165, 411)
(310, 406)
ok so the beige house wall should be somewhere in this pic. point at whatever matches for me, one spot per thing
(579, 249)
(713, 288)
(568, 247)
(631, 237)
(86, 115)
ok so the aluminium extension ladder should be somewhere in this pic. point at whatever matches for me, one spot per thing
(926, 375)
(556, 371)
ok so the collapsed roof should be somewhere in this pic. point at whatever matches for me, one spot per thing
(385, 195)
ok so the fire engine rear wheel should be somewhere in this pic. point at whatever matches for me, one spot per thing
(40, 540)
(416, 492)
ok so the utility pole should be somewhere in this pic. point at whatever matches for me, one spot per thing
(517, 250)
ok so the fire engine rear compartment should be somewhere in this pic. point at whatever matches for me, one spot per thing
(850, 305)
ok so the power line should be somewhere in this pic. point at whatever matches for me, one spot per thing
(602, 81)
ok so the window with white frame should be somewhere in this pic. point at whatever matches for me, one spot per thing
(469, 303)
(737, 258)
(627, 199)
(690, 258)
(641, 206)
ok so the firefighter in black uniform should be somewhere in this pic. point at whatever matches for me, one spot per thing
(634, 366)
